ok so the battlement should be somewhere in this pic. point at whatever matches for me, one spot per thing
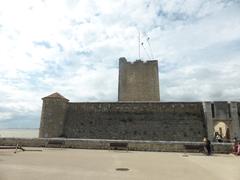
(55, 95)
(123, 60)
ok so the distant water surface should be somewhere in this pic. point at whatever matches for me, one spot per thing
(21, 133)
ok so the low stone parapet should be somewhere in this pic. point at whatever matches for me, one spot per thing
(133, 145)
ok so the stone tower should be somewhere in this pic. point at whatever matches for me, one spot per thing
(138, 81)
(54, 110)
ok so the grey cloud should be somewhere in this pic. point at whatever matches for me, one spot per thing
(45, 44)
(28, 120)
(17, 118)
(175, 16)
(218, 52)
(203, 83)
(71, 3)
(61, 49)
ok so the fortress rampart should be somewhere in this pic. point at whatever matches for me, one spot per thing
(167, 121)
(135, 121)
(139, 115)
(123, 120)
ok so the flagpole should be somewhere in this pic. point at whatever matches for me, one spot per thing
(139, 45)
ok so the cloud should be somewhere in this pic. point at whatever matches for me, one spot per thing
(5, 116)
(44, 44)
(73, 46)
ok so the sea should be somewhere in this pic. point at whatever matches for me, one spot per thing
(20, 133)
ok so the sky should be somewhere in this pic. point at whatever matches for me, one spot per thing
(73, 46)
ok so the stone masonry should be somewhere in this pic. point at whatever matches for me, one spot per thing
(122, 120)
(138, 81)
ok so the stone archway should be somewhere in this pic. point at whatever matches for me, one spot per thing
(223, 128)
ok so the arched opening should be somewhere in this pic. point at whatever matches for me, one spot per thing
(221, 131)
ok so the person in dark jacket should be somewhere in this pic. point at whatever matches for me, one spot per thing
(207, 146)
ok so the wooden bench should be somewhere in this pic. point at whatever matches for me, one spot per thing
(198, 147)
(56, 143)
(118, 146)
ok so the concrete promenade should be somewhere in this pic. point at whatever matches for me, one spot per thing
(82, 164)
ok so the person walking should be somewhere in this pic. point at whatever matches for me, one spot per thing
(207, 146)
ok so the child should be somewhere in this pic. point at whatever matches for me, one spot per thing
(235, 146)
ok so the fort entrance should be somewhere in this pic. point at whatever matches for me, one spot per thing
(222, 118)
(223, 129)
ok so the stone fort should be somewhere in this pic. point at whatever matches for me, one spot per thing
(138, 114)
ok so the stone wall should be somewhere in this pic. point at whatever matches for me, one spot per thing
(135, 121)
(138, 81)
(133, 145)
(221, 110)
